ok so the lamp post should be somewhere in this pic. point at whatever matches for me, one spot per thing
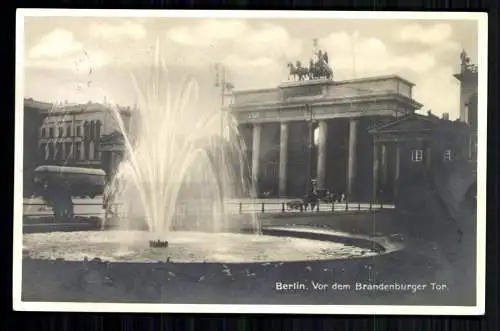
(310, 141)
(225, 88)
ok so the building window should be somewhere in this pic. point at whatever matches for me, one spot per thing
(68, 150)
(50, 152)
(60, 132)
(96, 152)
(98, 130)
(43, 152)
(86, 130)
(78, 150)
(43, 133)
(447, 155)
(417, 155)
(51, 132)
(473, 147)
(68, 131)
(59, 152)
(78, 131)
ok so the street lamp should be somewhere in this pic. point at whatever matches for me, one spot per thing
(310, 141)
(225, 88)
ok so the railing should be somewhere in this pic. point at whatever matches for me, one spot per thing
(241, 207)
(46, 210)
(291, 207)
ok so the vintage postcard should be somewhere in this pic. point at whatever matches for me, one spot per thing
(250, 162)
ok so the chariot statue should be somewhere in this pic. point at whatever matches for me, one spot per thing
(319, 68)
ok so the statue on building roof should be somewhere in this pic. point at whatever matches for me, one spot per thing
(318, 66)
(465, 64)
(464, 60)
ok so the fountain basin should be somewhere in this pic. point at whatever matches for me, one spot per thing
(275, 244)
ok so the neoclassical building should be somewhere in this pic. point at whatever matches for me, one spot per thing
(68, 134)
(361, 137)
(316, 132)
(467, 77)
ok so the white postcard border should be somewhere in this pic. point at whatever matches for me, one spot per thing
(479, 309)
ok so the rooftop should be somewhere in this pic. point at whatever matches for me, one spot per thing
(71, 108)
(328, 82)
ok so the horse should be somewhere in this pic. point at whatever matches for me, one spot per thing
(298, 71)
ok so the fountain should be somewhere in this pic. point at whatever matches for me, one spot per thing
(172, 185)
(176, 160)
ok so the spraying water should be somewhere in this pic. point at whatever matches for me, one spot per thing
(172, 178)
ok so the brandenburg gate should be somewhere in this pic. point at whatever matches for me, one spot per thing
(315, 132)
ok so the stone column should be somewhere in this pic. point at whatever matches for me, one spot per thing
(283, 159)
(396, 171)
(376, 166)
(257, 128)
(321, 171)
(383, 157)
(352, 166)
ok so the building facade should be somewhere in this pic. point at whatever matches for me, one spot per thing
(412, 149)
(467, 76)
(415, 148)
(34, 114)
(70, 134)
(315, 132)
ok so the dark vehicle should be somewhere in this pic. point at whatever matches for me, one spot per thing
(79, 182)
(57, 185)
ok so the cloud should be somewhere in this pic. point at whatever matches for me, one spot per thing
(60, 50)
(118, 31)
(208, 32)
(234, 42)
(439, 91)
(426, 35)
(351, 54)
(58, 43)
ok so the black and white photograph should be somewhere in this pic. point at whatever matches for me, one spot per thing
(250, 162)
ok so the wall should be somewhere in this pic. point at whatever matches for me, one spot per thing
(468, 87)
(261, 96)
(363, 88)
(33, 119)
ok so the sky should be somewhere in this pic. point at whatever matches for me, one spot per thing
(81, 59)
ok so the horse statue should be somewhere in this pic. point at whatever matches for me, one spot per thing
(297, 71)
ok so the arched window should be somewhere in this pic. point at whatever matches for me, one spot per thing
(97, 155)
(86, 130)
(92, 130)
(98, 130)
(50, 151)
(59, 152)
(472, 111)
(86, 149)
(43, 151)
